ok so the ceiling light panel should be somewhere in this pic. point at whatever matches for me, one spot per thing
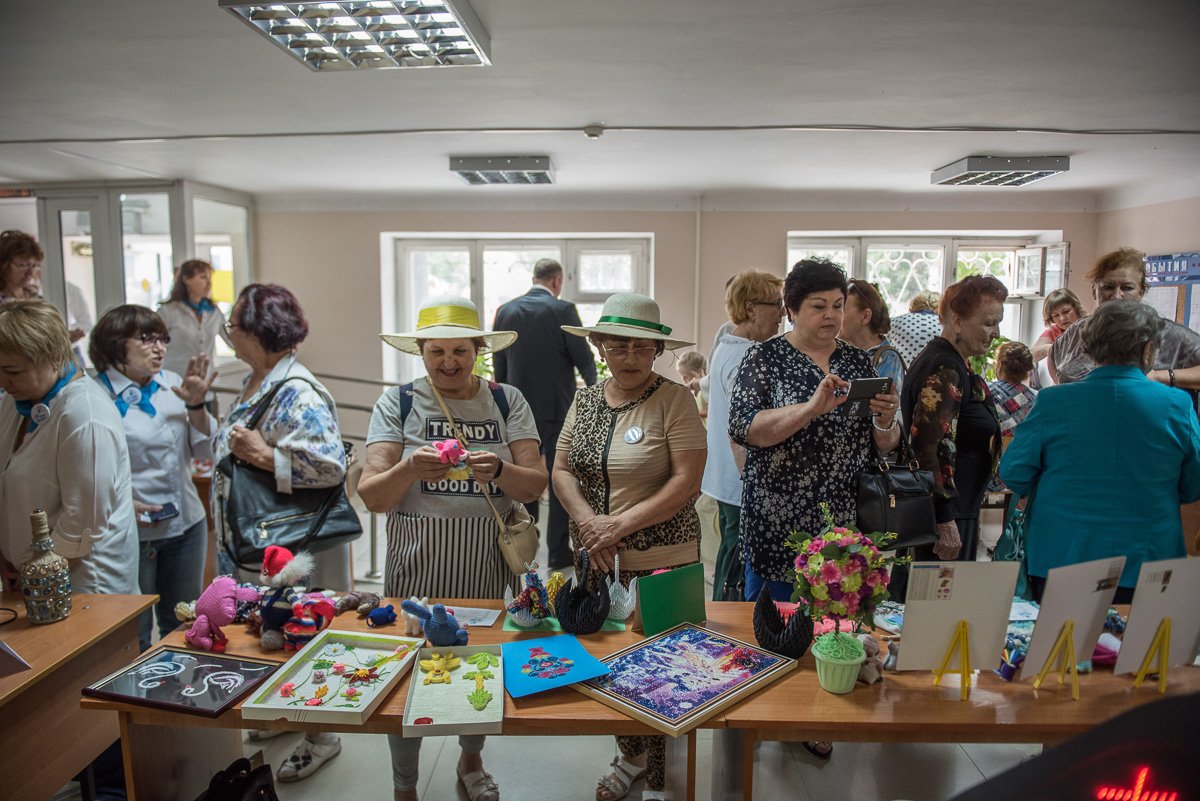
(476, 170)
(999, 170)
(371, 34)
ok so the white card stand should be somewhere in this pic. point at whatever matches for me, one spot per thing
(1164, 622)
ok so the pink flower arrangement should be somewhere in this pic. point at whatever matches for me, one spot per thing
(839, 574)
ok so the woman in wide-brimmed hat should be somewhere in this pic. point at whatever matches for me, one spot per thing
(628, 469)
(441, 531)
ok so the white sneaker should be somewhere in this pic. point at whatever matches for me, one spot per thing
(307, 759)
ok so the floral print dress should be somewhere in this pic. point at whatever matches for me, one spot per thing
(783, 485)
(953, 427)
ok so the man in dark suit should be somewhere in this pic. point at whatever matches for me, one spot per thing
(542, 364)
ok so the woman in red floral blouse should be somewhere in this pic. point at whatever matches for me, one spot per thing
(951, 417)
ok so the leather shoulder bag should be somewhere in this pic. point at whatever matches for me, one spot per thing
(257, 515)
(897, 497)
(517, 534)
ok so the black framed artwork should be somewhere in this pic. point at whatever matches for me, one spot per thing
(195, 682)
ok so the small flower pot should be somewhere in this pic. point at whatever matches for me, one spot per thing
(837, 672)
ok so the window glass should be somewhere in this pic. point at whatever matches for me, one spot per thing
(146, 247)
(901, 272)
(840, 256)
(507, 272)
(997, 263)
(605, 271)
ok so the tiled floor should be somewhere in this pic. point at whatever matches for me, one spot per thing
(571, 765)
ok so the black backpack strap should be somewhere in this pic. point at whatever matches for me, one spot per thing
(500, 398)
(406, 402)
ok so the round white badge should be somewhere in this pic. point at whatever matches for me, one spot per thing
(633, 435)
(40, 413)
(131, 395)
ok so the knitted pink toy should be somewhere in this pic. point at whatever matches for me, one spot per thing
(215, 608)
(450, 451)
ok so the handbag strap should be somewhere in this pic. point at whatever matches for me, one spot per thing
(260, 409)
(459, 435)
(904, 452)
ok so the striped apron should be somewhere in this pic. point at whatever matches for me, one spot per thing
(443, 557)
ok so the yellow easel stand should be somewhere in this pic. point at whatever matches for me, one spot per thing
(1064, 650)
(961, 642)
(1161, 645)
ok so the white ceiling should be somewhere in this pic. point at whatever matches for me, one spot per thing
(120, 70)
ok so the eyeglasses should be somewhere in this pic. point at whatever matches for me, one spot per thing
(775, 304)
(151, 340)
(229, 326)
(621, 352)
(27, 267)
(1124, 289)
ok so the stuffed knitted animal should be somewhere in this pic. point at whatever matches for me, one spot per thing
(361, 602)
(412, 623)
(450, 451)
(215, 608)
(381, 616)
(309, 616)
(441, 628)
(281, 571)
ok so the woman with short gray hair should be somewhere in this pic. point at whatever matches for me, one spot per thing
(1095, 506)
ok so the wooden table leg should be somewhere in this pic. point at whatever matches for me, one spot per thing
(732, 769)
(174, 763)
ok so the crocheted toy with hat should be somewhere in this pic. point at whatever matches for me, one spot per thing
(281, 572)
(215, 608)
(440, 626)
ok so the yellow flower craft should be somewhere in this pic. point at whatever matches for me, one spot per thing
(437, 668)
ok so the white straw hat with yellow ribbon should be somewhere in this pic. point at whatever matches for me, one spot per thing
(448, 317)
(628, 314)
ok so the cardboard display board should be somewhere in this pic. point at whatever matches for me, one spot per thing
(456, 690)
(940, 595)
(1080, 594)
(1166, 589)
(534, 666)
(667, 599)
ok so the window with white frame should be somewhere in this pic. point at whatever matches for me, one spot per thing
(903, 266)
(491, 271)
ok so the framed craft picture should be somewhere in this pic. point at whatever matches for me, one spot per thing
(339, 677)
(678, 679)
(456, 690)
(196, 682)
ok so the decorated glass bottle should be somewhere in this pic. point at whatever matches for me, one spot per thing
(46, 578)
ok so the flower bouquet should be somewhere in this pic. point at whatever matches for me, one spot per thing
(839, 575)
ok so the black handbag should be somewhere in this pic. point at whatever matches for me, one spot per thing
(897, 498)
(258, 516)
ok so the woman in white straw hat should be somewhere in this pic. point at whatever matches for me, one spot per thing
(441, 530)
(628, 470)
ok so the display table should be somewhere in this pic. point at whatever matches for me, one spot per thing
(176, 754)
(48, 738)
(906, 707)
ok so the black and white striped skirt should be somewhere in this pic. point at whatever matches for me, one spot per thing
(443, 557)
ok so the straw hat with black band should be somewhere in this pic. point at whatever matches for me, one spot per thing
(630, 315)
(448, 317)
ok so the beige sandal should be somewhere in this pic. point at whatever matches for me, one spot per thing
(480, 786)
(618, 781)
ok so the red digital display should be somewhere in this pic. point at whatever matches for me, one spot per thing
(1136, 793)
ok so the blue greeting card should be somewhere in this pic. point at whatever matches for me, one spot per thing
(533, 666)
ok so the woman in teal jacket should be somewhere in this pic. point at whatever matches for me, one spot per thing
(1111, 457)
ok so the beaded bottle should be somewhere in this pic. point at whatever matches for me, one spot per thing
(46, 578)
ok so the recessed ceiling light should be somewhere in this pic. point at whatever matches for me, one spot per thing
(328, 36)
(1000, 170)
(503, 169)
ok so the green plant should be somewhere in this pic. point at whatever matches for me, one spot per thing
(483, 365)
(985, 365)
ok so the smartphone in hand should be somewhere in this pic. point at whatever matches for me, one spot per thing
(862, 390)
(167, 511)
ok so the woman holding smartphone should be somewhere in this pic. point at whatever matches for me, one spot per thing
(166, 426)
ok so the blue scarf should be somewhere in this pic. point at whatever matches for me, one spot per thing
(205, 305)
(144, 403)
(25, 408)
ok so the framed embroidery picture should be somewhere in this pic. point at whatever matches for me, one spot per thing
(456, 690)
(682, 677)
(339, 677)
(196, 682)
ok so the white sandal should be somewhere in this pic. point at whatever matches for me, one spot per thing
(480, 786)
(618, 781)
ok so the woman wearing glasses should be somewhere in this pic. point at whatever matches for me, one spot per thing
(1121, 275)
(20, 266)
(166, 426)
(628, 470)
